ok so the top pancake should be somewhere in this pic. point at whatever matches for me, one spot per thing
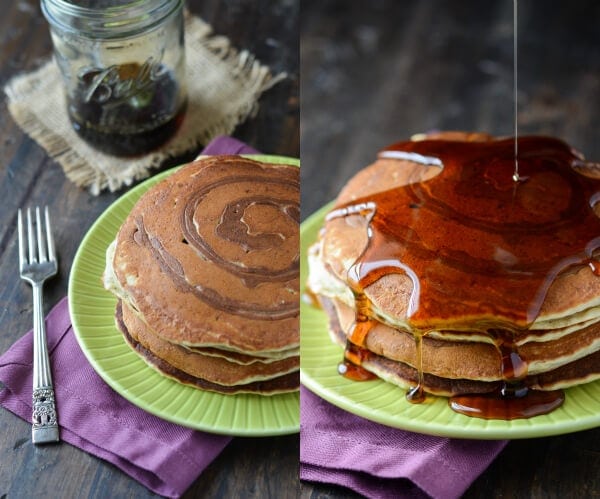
(210, 256)
(573, 296)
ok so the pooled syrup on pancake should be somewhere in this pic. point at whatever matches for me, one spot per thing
(481, 249)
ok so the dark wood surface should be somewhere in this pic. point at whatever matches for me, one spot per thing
(377, 72)
(248, 467)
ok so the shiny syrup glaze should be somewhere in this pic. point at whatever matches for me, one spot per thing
(480, 249)
(351, 367)
(355, 354)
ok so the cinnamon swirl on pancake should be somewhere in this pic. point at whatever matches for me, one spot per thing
(205, 267)
(442, 274)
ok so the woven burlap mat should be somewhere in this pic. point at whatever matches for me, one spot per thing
(224, 86)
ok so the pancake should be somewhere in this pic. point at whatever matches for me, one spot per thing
(214, 368)
(449, 358)
(206, 267)
(273, 386)
(240, 358)
(452, 368)
(209, 256)
(437, 269)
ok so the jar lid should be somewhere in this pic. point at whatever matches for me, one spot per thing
(108, 18)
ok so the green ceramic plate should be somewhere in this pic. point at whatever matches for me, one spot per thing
(92, 312)
(385, 403)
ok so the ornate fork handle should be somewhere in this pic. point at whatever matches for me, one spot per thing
(44, 420)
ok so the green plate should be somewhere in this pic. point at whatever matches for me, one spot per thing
(385, 403)
(92, 312)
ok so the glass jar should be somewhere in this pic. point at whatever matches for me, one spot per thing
(123, 64)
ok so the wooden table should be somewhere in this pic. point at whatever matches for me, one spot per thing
(377, 72)
(248, 467)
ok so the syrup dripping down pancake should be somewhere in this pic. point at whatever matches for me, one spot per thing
(453, 367)
(436, 247)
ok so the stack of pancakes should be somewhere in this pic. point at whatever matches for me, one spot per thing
(205, 268)
(470, 346)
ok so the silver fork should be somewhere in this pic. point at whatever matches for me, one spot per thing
(37, 262)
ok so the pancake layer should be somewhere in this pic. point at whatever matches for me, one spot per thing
(208, 373)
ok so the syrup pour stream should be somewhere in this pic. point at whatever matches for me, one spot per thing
(516, 177)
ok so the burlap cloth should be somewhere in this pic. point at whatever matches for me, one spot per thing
(224, 86)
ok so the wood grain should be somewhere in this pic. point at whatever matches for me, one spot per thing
(249, 467)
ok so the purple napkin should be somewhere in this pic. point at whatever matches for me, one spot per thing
(227, 145)
(164, 457)
(383, 463)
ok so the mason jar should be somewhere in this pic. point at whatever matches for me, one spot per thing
(123, 65)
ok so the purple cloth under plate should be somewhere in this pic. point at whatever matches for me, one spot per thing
(380, 462)
(164, 457)
(227, 145)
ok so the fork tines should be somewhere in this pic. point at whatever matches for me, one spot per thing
(45, 241)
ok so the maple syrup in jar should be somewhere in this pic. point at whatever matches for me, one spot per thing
(123, 65)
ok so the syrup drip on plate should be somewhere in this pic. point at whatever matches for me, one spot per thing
(499, 405)
(473, 246)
